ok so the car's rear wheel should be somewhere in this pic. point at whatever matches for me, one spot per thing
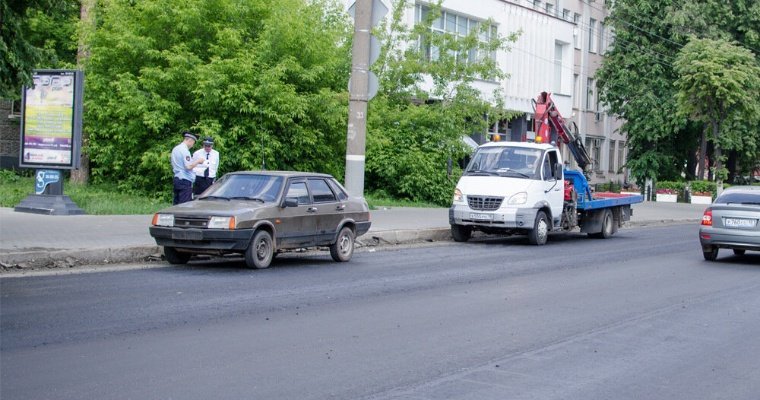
(260, 253)
(540, 232)
(461, 233)
(176, 257)
(710, 253)
(343, 248)
(739, 252)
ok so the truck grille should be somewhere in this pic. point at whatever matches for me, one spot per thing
(190, 222)
(483, 203)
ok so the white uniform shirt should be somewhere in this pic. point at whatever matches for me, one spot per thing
(212, 162)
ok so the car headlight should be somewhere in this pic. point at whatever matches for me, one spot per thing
(457, 195)
(221, 223)
(519, 198)
(163, 219)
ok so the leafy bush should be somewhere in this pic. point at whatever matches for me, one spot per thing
(703, 188)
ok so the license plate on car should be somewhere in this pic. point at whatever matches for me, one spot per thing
(187, 234)
(480, 217)
(739, 222)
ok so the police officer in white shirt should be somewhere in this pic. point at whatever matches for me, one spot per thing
(205, 173)
(182, 166)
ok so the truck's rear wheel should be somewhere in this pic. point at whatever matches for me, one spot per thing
(607, 228)
(461, 233)
(540, 232)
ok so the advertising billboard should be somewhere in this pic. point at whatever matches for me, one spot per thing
(51, 120)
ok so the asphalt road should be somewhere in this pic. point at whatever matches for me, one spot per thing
(638, 316)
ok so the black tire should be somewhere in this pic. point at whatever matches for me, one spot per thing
(607, 228)
(343, 248)
(461, 233)
(260, 253)
(176, 257)
(710, 253)
(739, 252)
(540, 232)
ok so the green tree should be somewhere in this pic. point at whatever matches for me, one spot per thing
(266, 78)
(636, 82)
(719, 82)
(34, 34)
(414, 130)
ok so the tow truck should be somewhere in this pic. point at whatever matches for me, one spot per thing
(525, 187)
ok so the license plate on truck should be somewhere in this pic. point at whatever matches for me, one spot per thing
(480, 217)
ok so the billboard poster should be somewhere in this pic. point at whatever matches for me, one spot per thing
(51, 120)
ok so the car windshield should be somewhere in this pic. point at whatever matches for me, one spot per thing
(738, 198)
(506, 161)
(245, 187)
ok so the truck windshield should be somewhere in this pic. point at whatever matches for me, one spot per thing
(506, 161)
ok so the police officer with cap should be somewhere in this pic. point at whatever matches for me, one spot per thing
(205, 173)
(182, 165)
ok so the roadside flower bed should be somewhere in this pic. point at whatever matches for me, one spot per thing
(667, 195)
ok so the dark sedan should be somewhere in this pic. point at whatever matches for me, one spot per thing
(732, 222)
(260, 213)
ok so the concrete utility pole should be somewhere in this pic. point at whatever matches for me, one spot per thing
(358, 98)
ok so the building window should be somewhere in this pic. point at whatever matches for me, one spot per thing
(550, 9)
(558, 49)
(594, 148)
(459, 26)
(537, 4)
(621, 156)
(589, 93)
(611, 162)
(601, 47)
(577, 31)
(592, 35)
(566, 14)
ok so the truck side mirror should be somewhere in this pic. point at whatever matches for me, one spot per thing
(557, 171)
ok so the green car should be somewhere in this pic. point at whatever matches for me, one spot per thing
(261, 213)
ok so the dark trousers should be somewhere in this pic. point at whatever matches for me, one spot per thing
(183, 191)
(201, 184)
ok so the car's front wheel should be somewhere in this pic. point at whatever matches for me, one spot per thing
(461, 233)
(260, 253)
(710, 253)
(343, 248)
(176, 257)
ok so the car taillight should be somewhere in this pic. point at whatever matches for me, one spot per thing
(707, 218)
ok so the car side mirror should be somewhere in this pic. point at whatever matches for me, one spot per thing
(291, 202)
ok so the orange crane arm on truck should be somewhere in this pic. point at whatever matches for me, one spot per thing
(550, 126)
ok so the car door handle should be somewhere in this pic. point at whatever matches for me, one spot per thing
(340, 207)
(312, 209)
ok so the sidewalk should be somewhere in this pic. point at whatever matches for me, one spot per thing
(32, 240)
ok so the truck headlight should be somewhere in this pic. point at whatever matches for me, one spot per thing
(518, 198)
(457, 195)
(163, 220)
(221, 223)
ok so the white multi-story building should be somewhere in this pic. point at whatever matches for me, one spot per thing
(559, 49)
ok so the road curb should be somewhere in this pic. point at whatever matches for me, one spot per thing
(68, 258)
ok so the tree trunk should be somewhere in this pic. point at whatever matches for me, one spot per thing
(82, 175)
(702, 153)
(717, 155)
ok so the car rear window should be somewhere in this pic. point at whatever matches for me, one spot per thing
(738, 198)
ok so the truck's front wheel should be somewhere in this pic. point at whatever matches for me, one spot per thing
(461, 233)
(540, 232)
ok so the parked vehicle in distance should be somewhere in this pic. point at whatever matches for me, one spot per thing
(732, 221)
(261, 213)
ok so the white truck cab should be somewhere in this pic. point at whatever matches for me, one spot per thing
(509, 187)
